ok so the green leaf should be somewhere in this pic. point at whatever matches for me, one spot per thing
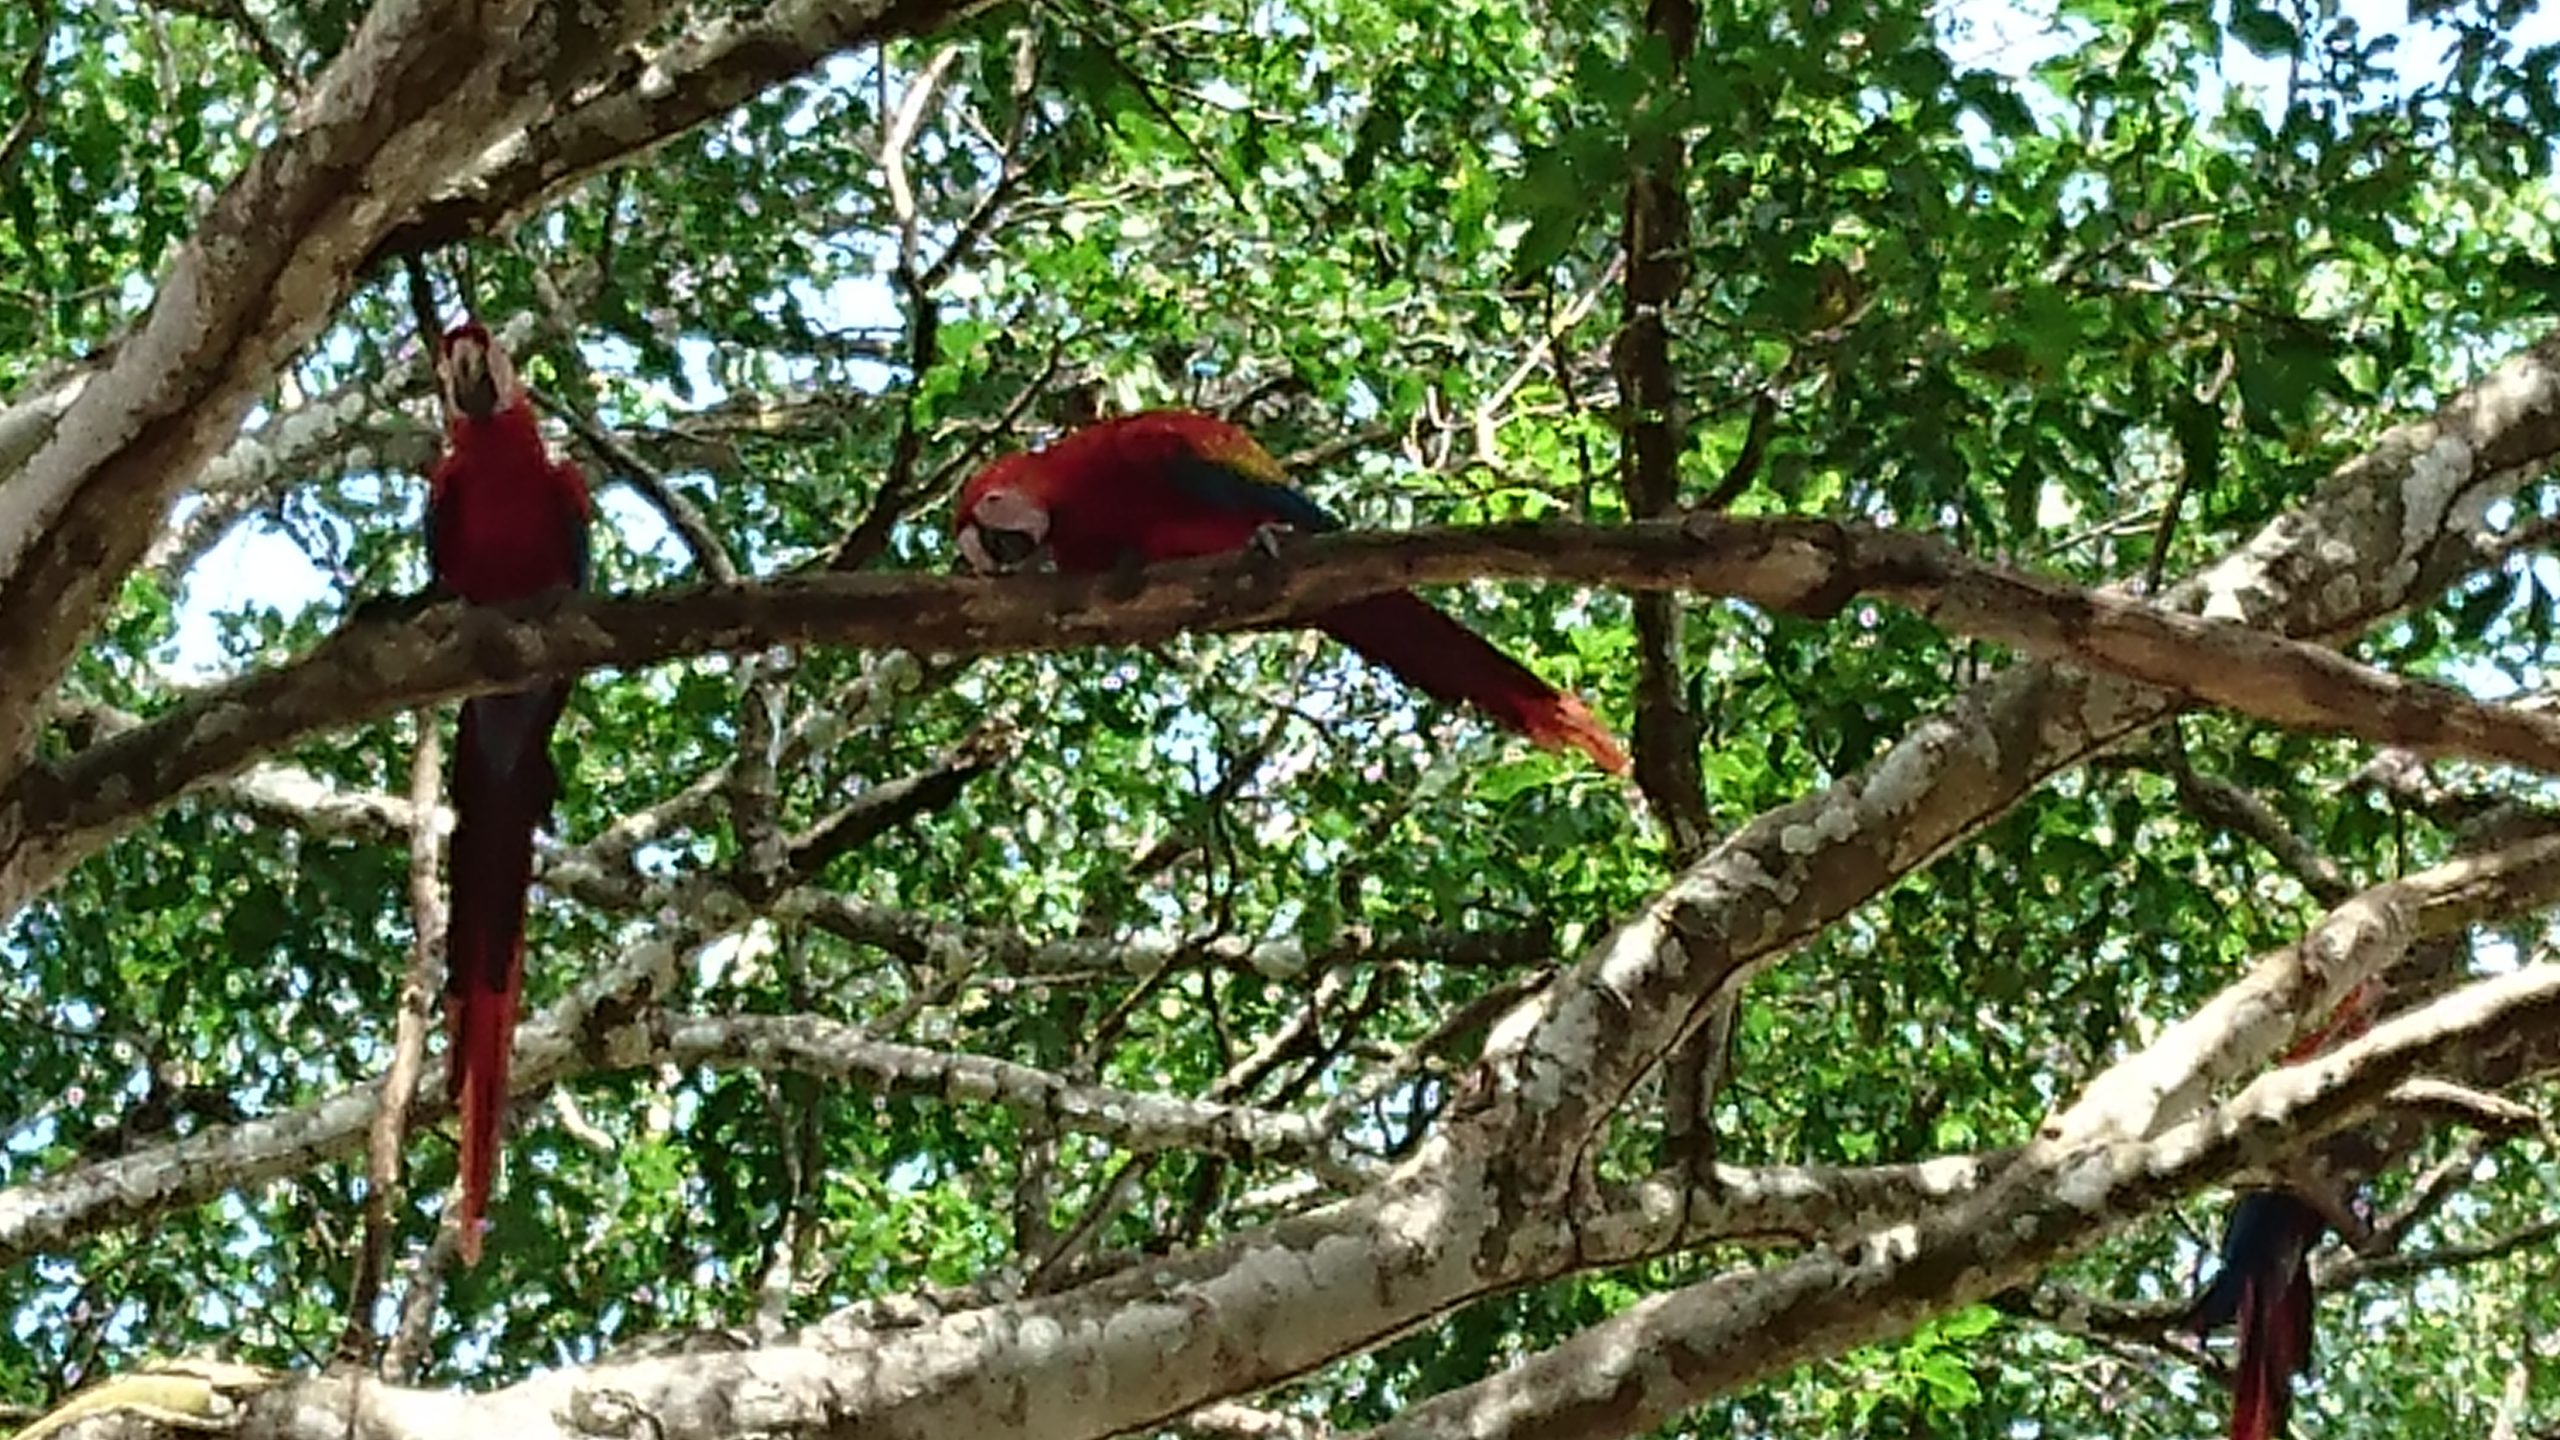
(2265, 31)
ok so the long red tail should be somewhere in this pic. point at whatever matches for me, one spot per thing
(2275, 1346)
(2264, 1286)
(1455, 665)
(503, 786)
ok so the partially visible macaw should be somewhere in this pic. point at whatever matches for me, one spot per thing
(2264, 1281)
(1169, 484)
(505, 521)
(2264, 1286)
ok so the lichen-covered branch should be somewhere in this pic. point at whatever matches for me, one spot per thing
(1131, 1119)
(714, 68)
(421, 88)
(1668, 1352)
(2400, 514)
(1159, 1340)
(56, 814)
(2297, 986)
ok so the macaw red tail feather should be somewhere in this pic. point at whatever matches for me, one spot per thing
(503, 786)
(2265, 1285)
(1453, 664)
(2275, 1346)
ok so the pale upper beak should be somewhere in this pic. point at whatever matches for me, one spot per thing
(471, 386)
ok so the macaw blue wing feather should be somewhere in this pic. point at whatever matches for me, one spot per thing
(1229, 486)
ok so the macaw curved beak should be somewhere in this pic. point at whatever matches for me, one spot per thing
(469, 382)
(1002, 530)
(990, 550)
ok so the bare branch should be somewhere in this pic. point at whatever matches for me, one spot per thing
(2219, 801)
(235, 16)
(1131, 1119)
(603, 1024)
(44, 1213)
(2443, 1257)
(626, 465)
(408, 1050)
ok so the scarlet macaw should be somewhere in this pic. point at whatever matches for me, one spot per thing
(2264, 1285)
(2264, 1282)
(1169, 484)
(505, 522)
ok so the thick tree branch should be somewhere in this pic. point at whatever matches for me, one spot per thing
(1668, 1352)
(1160, 1339)
(58, 813)
(2403, 515)
(710, 71)
(423, 86)
(2297, 986)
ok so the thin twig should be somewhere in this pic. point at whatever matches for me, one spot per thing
(626, 465)
(408, 1050)
(407, 1352)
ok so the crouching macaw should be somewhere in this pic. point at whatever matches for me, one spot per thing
(1168, 485)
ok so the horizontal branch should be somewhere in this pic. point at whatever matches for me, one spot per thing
(598, 873)
(1798, 1205)
(61, 812)
(605, 1024)
(57, 1209)
(1131, 1119)
(922, 939)
(2146, 1321)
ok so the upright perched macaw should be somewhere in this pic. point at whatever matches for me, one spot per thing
(2264, 1282)
(505, 521)
(1169, 485)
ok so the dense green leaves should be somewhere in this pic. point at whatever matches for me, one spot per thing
(2099, 304)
